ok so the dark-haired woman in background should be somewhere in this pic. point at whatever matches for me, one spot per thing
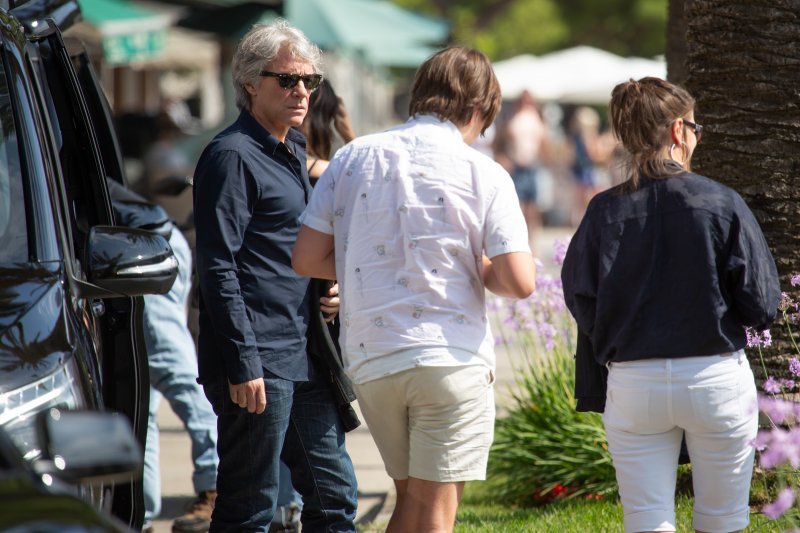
(326, 113)
(663, 274)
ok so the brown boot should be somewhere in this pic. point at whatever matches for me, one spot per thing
(198, 514)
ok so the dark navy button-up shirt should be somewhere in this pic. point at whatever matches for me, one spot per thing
(249, 190)
(676, 268)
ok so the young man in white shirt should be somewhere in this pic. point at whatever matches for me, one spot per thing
(415, 224)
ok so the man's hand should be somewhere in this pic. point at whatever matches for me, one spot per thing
(330, 304)
(249, 395)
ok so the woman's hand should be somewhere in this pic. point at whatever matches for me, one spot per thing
(341, 122)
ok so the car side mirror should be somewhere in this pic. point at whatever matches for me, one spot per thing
(87, 447)
(122, 261)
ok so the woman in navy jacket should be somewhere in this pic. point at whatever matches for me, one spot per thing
(662, 276)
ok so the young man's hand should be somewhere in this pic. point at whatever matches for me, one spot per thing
(329, 304)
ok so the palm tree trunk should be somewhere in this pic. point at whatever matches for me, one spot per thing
(676, 41)
(743, 67)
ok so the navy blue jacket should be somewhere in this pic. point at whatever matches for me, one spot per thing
(249, 191)
(674, 269)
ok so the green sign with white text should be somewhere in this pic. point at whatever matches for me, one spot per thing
(128, 48)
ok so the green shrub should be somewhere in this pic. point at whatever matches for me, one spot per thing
(543, 449)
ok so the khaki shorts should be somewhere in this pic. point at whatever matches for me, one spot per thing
(432, 422)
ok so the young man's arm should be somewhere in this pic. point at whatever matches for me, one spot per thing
(512, 275)
(313, 254)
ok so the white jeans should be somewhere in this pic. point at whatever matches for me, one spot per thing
(650, 405)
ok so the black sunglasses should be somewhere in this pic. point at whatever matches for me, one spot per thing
(697, 128)
(290, 81)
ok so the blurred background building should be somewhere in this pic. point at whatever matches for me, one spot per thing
(172, 58)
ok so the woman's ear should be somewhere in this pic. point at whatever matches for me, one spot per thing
(250, 89)
(676, 132)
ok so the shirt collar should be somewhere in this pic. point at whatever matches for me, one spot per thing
(270, 143)
(433, 120)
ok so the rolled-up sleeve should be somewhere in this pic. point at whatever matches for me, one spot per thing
(224, 196)
(505, 230)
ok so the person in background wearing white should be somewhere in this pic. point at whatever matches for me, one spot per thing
(415, 224)
(519, 148)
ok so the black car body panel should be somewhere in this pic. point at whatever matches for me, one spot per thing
(34, 498)
(33, 334)
(70, 279)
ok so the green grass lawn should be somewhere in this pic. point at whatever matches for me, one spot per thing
(478, 514)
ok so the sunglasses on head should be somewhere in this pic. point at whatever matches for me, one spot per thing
(290, 81)
(697, 128)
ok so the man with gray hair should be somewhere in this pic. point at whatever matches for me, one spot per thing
(272, 400)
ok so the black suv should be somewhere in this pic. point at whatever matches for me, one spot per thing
(70, 279)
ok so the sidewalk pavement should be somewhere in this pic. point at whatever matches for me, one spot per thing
(375, 488)
(374, 485)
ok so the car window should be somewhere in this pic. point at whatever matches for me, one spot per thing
(81, 164)
(13, 225)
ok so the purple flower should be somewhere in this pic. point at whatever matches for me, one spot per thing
(547, 332)
(560, 251)
(780, 505)
(794, 366)
(778, 447)
(771, 386)
(795, 281)
(756, 339)
(751, 338)
(786, 302)
(777, 410)
(761, 441)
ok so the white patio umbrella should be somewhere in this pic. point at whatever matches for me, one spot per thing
(519, 74)
(579, 75)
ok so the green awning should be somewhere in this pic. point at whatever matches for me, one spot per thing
(383, 32)
(129, 32)
(409, 56)
(230, 22)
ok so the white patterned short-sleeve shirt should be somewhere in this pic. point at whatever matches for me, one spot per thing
(412, 210)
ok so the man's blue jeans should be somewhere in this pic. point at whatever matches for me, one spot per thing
(250, 446)
(173, 373)
(288, 498)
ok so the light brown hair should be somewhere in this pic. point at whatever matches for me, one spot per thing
(641, 114)
(453, 82)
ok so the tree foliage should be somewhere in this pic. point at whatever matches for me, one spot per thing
(504, 28)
